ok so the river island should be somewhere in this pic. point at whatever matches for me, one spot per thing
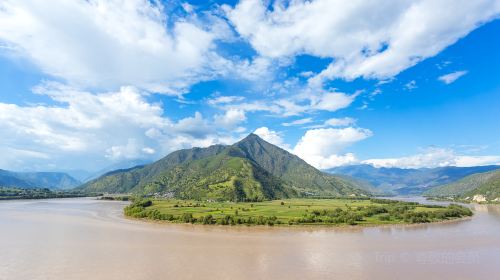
(335, 212)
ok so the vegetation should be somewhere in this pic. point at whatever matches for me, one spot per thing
(37, 193)
(115, 197)
(399, 181)
(485, 184)
(294, 212)
(250, 170)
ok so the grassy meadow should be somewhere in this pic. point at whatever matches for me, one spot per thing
(294, 212)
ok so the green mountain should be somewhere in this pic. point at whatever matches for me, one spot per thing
(51, 180)
(486, 184)
(251, 170)
(409, 181)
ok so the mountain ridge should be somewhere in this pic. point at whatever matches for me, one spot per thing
(400, 181)
(51, 180)
(250, 169)
(486, 184)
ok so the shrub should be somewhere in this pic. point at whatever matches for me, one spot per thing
(187, 218)
(208, 220)
(384, 217)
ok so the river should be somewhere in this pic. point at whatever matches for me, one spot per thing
(90, 239)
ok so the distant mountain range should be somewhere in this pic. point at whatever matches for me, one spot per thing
(399, 181)
(51, 180)
(486, 184)
(116, 166)
(249, 170)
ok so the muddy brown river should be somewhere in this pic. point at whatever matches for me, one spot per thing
(90, 239)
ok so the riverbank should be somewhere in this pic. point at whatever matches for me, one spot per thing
(464, 201)
(7, 193)
(295, 212)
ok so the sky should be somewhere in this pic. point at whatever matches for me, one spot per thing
(89, 84)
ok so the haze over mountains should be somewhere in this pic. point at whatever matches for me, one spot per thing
(486, 184)
(51, 180)
(399, 181)
(251, 169)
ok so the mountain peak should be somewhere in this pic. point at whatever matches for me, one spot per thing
(249, 169)
(251, 138)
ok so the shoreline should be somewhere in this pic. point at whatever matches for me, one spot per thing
(308, 227)
(43, 198)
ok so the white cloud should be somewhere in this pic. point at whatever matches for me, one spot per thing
(298, 122)
(84, 130)
(321, 147)
(333, 101)
(254, 106)
(131, 150)
(411, 85)
(187, 7)
(272, 137)
(370, 39)
(230, 119)
(306, 102)
(477, 160)
(376, 92)
(451, 77)
(107, 44)
(259, 69)
(334, 160)
(340, 122)
(196, 126)
(225, 99)
(306, 74)
(434, 157)
(335, 122)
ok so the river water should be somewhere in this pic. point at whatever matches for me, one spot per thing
(90, 239)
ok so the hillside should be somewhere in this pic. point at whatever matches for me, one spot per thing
(85, 176)
(51, 180)
(486, 184)
(401, 181)
(251, 169)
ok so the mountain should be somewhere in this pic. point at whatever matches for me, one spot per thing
(408, 181)
(251, 169)
(51, 180)
(116, 166)
(486, 184)
(79, 174)
(124, 180)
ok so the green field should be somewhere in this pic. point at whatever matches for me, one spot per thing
(294, 212)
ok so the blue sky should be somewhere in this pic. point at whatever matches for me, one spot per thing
(87, 84)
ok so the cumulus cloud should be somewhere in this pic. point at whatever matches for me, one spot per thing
(370, 39)
(231, 119)
(331, 161)
(321, 147)
(434, 157)
(452, 77)
(107, 44)
(195, 126)
(272, 137)
(85, 130)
